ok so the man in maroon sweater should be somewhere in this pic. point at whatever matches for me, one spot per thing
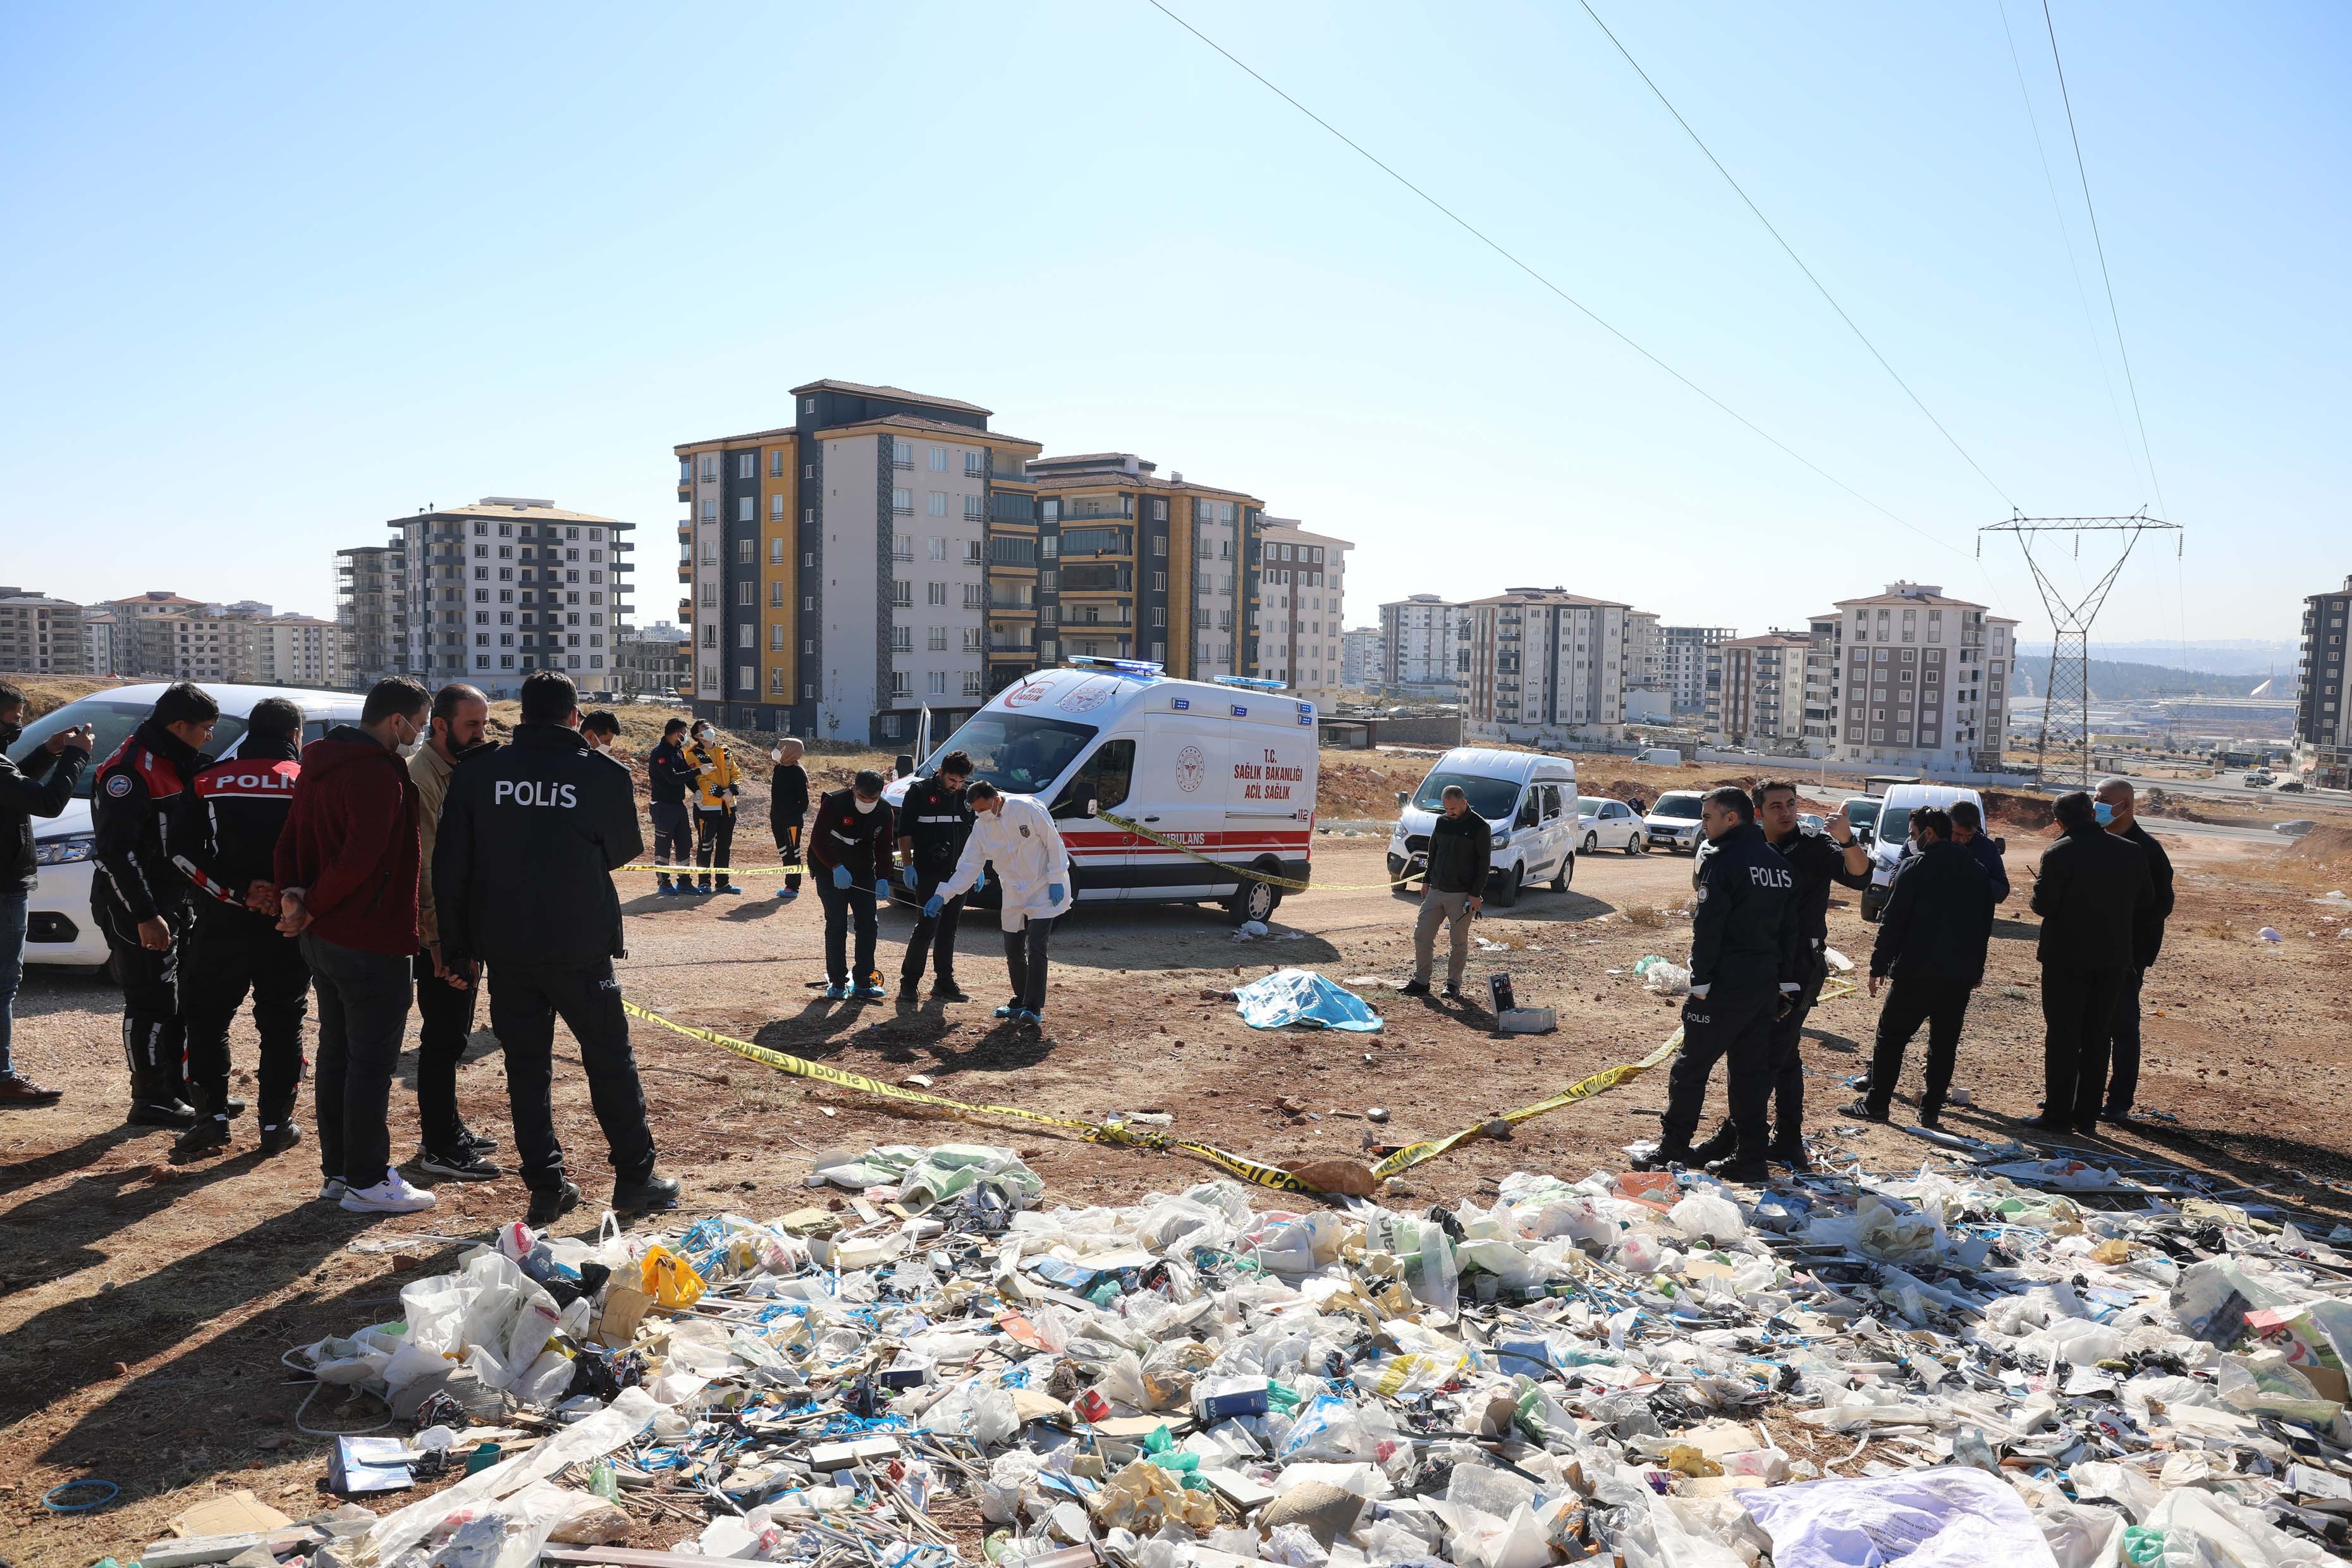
(347, 874)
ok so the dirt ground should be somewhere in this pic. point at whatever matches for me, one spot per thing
(144, 1306)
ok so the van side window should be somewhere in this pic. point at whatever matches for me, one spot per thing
(1551, 802)
(1531, 808)
(1103, 778)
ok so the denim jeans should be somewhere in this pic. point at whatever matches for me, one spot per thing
(14, 907)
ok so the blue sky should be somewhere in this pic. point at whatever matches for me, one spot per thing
(277, 274)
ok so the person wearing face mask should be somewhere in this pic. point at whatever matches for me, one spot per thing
(668, 775)
(347, 872)
(2113, 806)
(139, 900)
(932, 827)
(1015, 833)
(449, 1150)
(788, 803)
(602, 730)
(1932, 938)
(40, 786)
(2092, 891)
(849, 850)
(719, 785)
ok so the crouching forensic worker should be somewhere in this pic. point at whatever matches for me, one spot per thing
(1016, 834)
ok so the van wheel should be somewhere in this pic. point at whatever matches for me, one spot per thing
(1592, 843)
(1565, 875)
(1252, 901)
(1506, 885)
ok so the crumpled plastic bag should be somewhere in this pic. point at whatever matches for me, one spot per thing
(2206, 1530)
(1706, 1217)
(1144, 1497)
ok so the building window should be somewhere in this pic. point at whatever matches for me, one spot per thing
(935, 593)
(938, 503)
(902, 595)
(938, 638)
(902, 453)
(902, 684)
(743, 549)
(902, 502)
(937, 548)
(902, 639)
(937, 457)
(776, 509)
(747, 677)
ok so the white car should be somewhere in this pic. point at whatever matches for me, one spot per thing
(1673, 822)
(58, 927)
(1605, 824)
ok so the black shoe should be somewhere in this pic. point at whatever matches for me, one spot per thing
(479, 1143)
(461, 1164)
(1799, 1160)
(161, 1113)
(1725, 1143)
(206, 1136)
(549, 1205)
(1931, 1113)
(276, 1137)
(2120, 1115)
(646, 1192)
(1413, 988)
(1864, 1111)
(1748, 1169)
(233, 1107)
(1663, 1155)
(2045, 1122)
(1451, 993)
(948, 991)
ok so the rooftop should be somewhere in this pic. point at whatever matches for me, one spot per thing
(1550, 596)
(859, 389)
(527, 508)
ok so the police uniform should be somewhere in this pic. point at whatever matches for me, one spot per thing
(1743, 961)
(136, 883)
(223, 837)
(859, 841)
(788, 801)
(936, 818)
(521, 881)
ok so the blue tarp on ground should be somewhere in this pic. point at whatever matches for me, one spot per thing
(1290, 996)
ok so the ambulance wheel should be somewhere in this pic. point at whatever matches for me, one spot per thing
(1566, 875)
(1252, 901)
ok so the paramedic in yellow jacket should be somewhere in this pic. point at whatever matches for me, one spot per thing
(718, 784)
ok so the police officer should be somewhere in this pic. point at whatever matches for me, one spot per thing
(223, 835)
(933, 823)
(849, 850)
(667, 777)
(521, 883)
(139, 900)
(1819, 859)
(1743, 978)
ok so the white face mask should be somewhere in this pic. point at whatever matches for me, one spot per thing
(863, 805)
(702, 737)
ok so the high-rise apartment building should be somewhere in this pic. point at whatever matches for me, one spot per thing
(98, 655)
(1649, 698)
(1691, 661)
(1302, 579)
(1924, 679)
(1361, 657)
(2323, 707)
(653, 660)
(1424, 645)
(295, 650)
(1763, 704)
(371, 609)
(1544, 663)
(39, 634)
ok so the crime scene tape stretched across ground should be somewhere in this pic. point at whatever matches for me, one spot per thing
(1116, 1132)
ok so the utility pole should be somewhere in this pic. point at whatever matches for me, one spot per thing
(2065, 747)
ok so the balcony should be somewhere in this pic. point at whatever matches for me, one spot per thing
(1008, 477)
(1075, 624)
(998, 600)
(1011, 645)
(685, 612)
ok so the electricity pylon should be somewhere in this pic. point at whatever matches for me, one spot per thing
(2066, 695)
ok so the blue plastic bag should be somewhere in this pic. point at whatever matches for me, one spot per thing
(1290, 996)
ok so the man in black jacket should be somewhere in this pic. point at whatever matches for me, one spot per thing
(2092, 892)
(139, 900)
(2113, 805)
(40, 787)
(933, 823)
(849, 849)
(1453, 888)
(522, 882)
(223, 832)
(1744, 976)
(1931, 942)
(668, 775)
(788, 801)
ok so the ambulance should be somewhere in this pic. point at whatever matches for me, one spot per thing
(1226, 768)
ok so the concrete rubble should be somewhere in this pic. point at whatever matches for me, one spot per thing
(2045, 1363)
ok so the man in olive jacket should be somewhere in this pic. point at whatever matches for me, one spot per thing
(2092, 892)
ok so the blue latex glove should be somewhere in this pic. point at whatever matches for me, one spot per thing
(881, 889)
(932, 905)
(910, 878)
(841, 876)
(1054, 891)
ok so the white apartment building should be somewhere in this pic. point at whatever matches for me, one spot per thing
(296, 650)
(1763, 693)
(1648, 697)
(1546, 666)
(1424, 645)
(1302, 586)
(39, 634)
(1924, 680)
(1360, 657)
(1691, 661)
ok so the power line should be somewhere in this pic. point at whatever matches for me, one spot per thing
(2112, 315)
(1818, 285)
(1586, 311)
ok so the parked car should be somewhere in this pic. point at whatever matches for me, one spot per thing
(1813, 820)
(1673, 822)
(2296, 829)
(2258, 781)
(1862, 811)
(1527, 798)
(1607, 823)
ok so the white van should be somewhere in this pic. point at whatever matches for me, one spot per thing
(1891, 832)
(1527, 799)
(1227, 767)
(59, 929)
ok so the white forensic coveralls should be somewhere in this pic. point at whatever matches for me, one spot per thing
(1026, 848)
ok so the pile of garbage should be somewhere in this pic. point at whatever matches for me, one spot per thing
(2049, 1364)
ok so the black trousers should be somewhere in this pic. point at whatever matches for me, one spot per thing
(714, 843)
(363, 1000)
(225, 957)
(525, 1002)
(788, 851)
(154, 1035)
(444, 1026)
(1025, 961)
(2078, 1007)
(673, 837)
(842, 905)
(1943, 1006)
(933, 935)
(2122, 1043)
(1733, 1026)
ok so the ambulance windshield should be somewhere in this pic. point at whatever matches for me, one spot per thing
(1017, 753)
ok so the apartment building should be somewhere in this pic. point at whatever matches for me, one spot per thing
(371, 609)
(1924, 679)
(1135, 565)
(39, 634)
(836, 569)
(98, 655)
(651, 661)
(1424, 645)
(1546, 666)
(1649, 698)
(2323, 707)
(1302, 580)
(1763, 692)
(1691, 661)
(1361, 657)
(296, 650)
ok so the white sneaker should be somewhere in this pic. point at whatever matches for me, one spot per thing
(332, 1189)
(391, 1196)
